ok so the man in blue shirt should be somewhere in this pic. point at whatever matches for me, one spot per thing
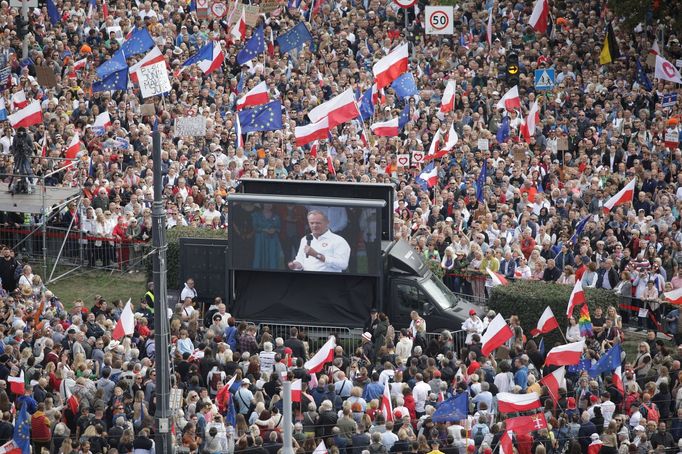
(374, 390)
(521, 375)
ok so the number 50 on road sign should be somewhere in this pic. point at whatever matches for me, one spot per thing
(439, 20)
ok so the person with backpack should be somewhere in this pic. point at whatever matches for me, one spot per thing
(480, 430)
(648, 409)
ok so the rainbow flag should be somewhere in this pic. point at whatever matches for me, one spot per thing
(585, 322)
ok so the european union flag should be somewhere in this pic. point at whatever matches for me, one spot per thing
(452, 410)
(366, 105)
(205, 53)
(114, 81)
(231, 416)
(503, 132)
(579, 229)
(22, 431)
(253, 47)
(607, 363)
(641, 77)
(404, 116)
(267, 117)
(294, 38)
(53, 12)
(480, 182)
(140, 41)
(584, 364)
(405, 86)
(117, 62)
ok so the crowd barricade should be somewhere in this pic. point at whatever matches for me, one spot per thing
(317, 335)
(75, 247)
(458, 338)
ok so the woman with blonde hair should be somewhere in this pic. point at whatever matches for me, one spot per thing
(567, 277)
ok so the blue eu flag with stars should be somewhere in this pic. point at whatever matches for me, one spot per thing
(294, 38)
(117, 62)
(139, 42)
(608, 362)
(366, 105)
(452, 410)
(253, 47)
(405, 86)
(480, 182)
(22, 431)
(114, 81)
(267, 117)
(53, 12)
(641, 77)
(503, 132)
(404, 116)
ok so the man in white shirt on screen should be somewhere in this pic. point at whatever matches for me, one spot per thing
(321, 250)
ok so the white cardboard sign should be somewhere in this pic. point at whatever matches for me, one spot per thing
(154, 79)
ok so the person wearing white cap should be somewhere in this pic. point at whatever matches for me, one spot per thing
(243, 397)
(640, 439)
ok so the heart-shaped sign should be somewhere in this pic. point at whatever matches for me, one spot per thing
(417, 156)
(403, 160)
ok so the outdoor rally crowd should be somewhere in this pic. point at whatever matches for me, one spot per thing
(535, 211)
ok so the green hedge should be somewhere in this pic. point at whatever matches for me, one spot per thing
(528, 299)
(173, 252)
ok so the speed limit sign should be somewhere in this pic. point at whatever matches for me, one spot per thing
(439, 20)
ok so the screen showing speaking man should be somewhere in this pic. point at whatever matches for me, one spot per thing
(321, 249)
(292, 237)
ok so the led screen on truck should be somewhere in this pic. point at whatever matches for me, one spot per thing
(279, 235)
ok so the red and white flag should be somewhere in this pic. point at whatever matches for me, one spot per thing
(340, 109)
(72, 151)
(655, 50)
(538, 18)
(80, 64)
(430, 176)
(71, 400)
(617, 378)
(386, 406)
(391, 66)
(577, 298)
(208, 66)
(125, 326)
(388, 128)
(17, 384)
(506, 445)
(565, 355)
(451, 139)
(296, 390)
(625, 195)
(510, 100)
(547, 323)
(330, 165)
(674, 296)
(497, 278)
(153, 56)
(102, 121)
(19, 100)
(511, 403)
(528, 127)
(255, 97)
(313, 131)
(323, 356)
(523, 424)
(447, 103)
(30, 115)
(667, 71)
(554, 381)
(105, 10)
(435, 143)
(489, 28)
(313, 149)
(498, 333)
(11, 447)
(238, 31)
(321, 448)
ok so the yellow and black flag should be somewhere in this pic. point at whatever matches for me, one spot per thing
(609, 51)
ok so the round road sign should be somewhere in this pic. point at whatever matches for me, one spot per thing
(219, 9)
(405, 3)
(439, 20)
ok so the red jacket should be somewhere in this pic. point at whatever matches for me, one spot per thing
(40, 427)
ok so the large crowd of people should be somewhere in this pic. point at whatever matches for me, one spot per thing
(598, 128)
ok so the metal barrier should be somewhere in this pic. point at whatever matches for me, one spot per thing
(458, 338)
(349, 338)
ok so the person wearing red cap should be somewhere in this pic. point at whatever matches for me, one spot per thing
(472, 325)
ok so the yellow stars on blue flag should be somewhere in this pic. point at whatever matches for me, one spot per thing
(140, 41)
(253, 47)
(266, 117)
(117, 62)
(294, 38)
(405, 86)
(114, 81)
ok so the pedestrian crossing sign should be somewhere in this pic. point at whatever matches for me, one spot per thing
(544, 79)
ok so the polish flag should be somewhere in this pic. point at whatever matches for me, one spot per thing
(506, 444)
(386, 406)
(19, 100)
(332, 170)
(313, 149)
(153, 56)
(674, 296)
(320, 79)
(435, 143)
(511, 403)
(547, 323)
(125, 326)
(255, 97)
(11, 447)
(498, 333)
(71, 400)
(28, 116)
(452, 138)
(448, 101)
(74, 147)
(208, 66)
(296, 390)
(388, 128)
(528, 127)
(497, 278)
(323, 355)
(80, 64)
(363, 138)
(538, 18)
(105, 10)
(655, 50)
(340, 109)
(17, 384)
(510, 100)
(391, 66)
(565, 355)
(238, 31)
(554, 381)
(625, 195)
(577, 298)
(617, 378)
(314, 131)
(102, 121)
